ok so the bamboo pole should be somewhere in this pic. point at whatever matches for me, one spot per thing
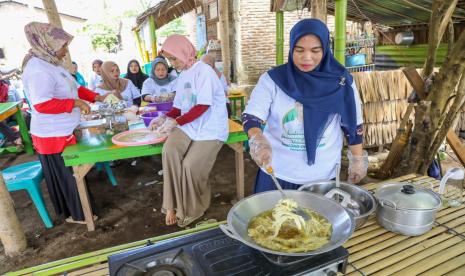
(279, 37)
(340, 34)
(224, 37)
(54, 19)
(139, 44)
(11, 232)
(153, 36)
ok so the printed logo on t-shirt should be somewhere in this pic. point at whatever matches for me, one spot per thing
(189, 99)
(293, 129)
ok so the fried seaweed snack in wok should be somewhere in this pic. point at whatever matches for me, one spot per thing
(281, 230)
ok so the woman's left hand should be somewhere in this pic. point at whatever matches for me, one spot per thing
(358, 166)
(168, 126)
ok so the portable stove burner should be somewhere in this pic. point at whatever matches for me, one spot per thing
(211, 252)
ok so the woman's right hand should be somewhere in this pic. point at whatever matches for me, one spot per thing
(157, 122)
(260, 149)
(82, 105)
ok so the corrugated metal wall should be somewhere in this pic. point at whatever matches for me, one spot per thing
(395, 56)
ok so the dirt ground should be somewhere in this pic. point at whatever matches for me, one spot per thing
(128, 212)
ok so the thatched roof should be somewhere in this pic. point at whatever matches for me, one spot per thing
(166, 11)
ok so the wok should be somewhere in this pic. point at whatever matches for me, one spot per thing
(343, 223)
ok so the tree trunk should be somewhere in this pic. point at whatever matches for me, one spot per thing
(318, 9)
(430, 111)
(54, 19)
(11, 231)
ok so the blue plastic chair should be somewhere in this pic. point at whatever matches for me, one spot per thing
(28, 176)
(108, 170)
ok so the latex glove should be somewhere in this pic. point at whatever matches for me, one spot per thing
(260, 150)
(157, 122)
(358, 166)
(168, 126)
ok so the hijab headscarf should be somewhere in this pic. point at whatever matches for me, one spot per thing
(137, 79)
(97, 61)
(180, 47)
(110, 84)
(323, 92)
(157, 80)
(45, 41)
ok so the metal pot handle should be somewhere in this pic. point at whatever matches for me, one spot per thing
(390, 204)
(345, 196)
(228, 232)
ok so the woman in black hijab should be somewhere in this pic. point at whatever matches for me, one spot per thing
(134, 73)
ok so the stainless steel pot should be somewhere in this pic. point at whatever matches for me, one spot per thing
(240, 214)
(364, 198)
(406, 209)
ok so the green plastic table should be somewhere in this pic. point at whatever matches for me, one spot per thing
(14, 108)
(83, 156)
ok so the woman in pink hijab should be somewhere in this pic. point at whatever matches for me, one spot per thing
(197, 127)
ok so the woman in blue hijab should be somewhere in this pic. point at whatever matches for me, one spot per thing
(308, 106)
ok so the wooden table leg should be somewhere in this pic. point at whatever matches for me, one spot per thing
(79, 173)
(239, 160)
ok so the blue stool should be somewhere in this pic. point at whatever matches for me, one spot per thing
(27, 177)
(106, 166)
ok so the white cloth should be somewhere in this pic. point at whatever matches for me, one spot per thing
(174, 73)
(44, 81)
(150, 87)
(200, 85)
(94, 81)
(131, 92)
(285, 132)
(224, 83)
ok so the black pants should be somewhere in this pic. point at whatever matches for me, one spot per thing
(62, 186)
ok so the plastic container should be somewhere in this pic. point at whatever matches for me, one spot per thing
(451, 187)
(149, 116)
(355, 60)
(166, 106)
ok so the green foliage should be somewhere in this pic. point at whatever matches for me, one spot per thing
(103, 36)
(174, 27)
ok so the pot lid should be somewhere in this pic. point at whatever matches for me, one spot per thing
(405, 196)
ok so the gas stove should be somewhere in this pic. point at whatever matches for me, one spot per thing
(211, 252)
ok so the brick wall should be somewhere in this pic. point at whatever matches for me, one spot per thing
(255, 38)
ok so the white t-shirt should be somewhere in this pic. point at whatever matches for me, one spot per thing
(150, 87)
(285, 131)
(224, 83)
(131, 92)
(44, 81)
(200, 85)
(94, 81)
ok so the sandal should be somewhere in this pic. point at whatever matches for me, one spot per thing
(188, 220)
(71, 220)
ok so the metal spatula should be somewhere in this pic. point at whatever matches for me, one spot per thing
(298, 211)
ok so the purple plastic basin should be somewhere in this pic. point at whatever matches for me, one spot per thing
(149, 116)
(162, 106)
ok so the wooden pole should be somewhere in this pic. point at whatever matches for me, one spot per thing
(54, 19)
(11, 231)
(224, 37)
(319, 9)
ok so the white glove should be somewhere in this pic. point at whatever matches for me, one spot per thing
(358, 166)
(168, 126)
(157, 122)
(260, 150)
